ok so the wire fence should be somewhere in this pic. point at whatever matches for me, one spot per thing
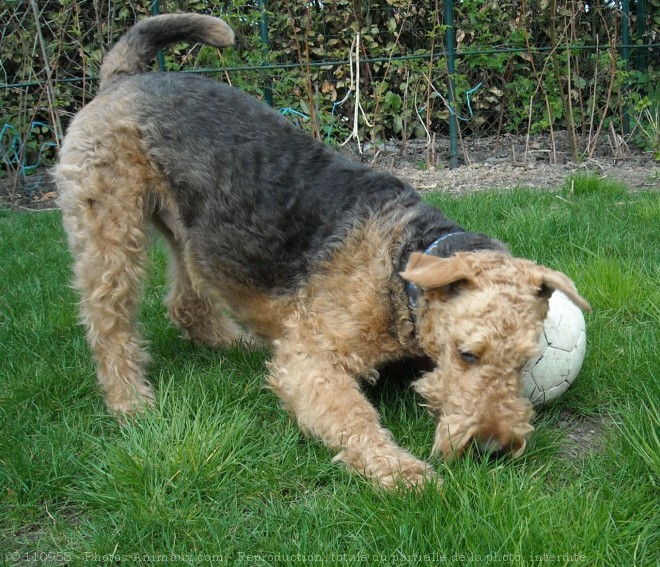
(351, 71)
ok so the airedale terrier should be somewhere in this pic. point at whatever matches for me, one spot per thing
(343, 269)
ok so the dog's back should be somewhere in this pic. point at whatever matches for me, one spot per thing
(252, 189)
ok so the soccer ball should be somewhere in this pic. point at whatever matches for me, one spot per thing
(562, 345)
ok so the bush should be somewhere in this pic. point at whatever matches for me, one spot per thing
(522, 67)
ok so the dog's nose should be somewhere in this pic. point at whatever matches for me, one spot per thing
(491, 447)
(498, 446)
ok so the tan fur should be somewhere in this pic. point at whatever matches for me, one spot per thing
(339, 335)
(108, 193)
(497, 316)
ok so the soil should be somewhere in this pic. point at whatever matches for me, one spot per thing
(583, 435)
(509, 162)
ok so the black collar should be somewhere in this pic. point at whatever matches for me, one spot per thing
(411, 289)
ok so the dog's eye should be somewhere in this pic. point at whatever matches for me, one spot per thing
(469, 357)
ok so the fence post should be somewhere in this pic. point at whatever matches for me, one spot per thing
(625, 53)
(450, 42)
(263, 26)
(641, 56)
(160, 58)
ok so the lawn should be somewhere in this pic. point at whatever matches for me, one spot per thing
(218, 473)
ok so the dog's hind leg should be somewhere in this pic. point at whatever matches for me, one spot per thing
(102, 189)
(108, 243)
(198, 316)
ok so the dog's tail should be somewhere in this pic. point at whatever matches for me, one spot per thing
(141, 43)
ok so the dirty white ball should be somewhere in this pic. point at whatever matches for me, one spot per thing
(562, 346)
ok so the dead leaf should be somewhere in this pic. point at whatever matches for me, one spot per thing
(48, 196)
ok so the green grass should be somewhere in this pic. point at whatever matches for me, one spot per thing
(218, 469)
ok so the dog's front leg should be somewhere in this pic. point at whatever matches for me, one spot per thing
(319, 388)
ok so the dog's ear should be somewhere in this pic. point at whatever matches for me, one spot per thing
(429, 272)
(551, 280)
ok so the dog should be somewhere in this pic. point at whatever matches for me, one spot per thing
(272, 235)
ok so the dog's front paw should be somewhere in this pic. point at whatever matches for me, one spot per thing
(390, 470)
(407, 472)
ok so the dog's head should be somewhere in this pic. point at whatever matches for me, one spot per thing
(479, 317)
